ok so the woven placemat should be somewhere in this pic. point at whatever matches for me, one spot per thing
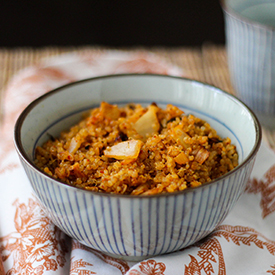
(207, 63)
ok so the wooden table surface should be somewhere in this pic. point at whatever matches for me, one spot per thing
(207, 63)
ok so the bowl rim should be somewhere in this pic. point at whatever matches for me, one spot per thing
(231, 12)
(21, 152)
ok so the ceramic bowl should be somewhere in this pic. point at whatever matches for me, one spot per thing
(138, 227)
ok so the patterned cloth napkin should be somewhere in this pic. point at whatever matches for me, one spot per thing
(30, 244)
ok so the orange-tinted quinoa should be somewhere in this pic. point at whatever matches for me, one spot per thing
(137, 150)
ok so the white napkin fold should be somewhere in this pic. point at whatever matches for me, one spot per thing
(30, 244)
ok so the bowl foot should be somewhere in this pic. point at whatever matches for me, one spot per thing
(128, 258)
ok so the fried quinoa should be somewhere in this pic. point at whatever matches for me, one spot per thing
(137, 150)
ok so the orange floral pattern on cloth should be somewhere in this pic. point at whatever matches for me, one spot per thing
(211, 249)
(119, 264)
(78, 267)
(140, 65)
(266, 187)
(2, 272)
(272, 271)
(149, 267)
(36, 245)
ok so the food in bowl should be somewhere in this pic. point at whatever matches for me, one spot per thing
(137, 150)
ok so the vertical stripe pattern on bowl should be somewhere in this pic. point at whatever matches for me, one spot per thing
(138, 227)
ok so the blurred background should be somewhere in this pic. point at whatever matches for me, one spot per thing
(111, 23)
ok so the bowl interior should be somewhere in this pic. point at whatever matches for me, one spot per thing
(58, 110)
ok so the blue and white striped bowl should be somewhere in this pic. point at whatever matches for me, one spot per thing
(137, 227)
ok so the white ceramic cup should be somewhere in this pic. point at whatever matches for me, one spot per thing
(250, 42)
